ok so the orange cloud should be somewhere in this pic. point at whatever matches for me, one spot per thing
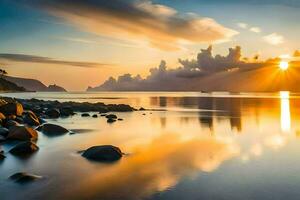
(161, 26)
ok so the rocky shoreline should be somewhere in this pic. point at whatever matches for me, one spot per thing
(23, 120)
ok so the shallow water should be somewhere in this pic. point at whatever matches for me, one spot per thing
(195, 146)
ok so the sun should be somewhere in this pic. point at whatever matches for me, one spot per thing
(283, 65)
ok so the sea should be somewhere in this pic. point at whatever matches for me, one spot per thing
(187, 146)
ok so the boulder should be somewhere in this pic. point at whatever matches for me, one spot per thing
(110, 120)
(53, 113)
(2, 138)
(13, 108)
(85, 115)
(2, 156)
(95, 116)
(11, 123)
(3, 132)
(31, 119)
(103, 115)
(120, 119)
(142, 109)
(52, 129)
(22, 133)
(24, 148)
(22, 177)
(111, 116)
(103, 153)
(66, 111)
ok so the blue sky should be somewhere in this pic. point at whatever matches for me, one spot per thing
(51, 29)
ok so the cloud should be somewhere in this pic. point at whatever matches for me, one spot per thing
(274, 39)
(255, 29)
(242, 25)
(162, 78)
(47, 60)
(161, 26)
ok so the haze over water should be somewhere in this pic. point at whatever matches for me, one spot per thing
(192, 146)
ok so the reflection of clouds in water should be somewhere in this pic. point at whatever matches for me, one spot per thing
(156, 167)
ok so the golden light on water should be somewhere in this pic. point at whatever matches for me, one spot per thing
(284, 65)
(285, 111)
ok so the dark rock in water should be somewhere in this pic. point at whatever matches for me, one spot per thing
(103, 115)
(11, 123)
(2, 156)
(142, 109)
(104, 153)
(110, 120)
(66, 111)
(111, 116)
(19, 120)
(2, 138)
(24, 148)
(52, 129)
(120, 119)
(22, 133)
(22, 177)
(53, 113)
(31, 119)
(119, 108)
(95, 116)
(11, 117)
(4, 132)
(13, 108)
(85, 115)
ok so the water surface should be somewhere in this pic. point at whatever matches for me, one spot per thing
(194, 146)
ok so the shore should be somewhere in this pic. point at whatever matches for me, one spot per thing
(22, 121)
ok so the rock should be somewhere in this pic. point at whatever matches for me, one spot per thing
(11, 123)
(31, 119)
(22, 133)
(19, 120)
(111, 116)
(11, 117)
(119, 108)
(142, 109)
(24, 148)
(22, 177)
(66, 111)
(103, 115)
(53, 113)
(2, 156)
(120, 119)
(144, 113)
(95, 116)
(2, 138)
(2, 116)
(110, 120)
(4, 132)
(104, 153)
(52, 129)
(85, 115)
(13, 108)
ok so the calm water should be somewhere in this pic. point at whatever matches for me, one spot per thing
(199, 146)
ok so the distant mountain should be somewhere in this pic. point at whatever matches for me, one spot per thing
(7, 86)
(34, 85)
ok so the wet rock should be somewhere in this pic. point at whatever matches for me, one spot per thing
(11, 117)
(142, 109)
(66, 111)
(144, 113)
(3, 132)
(95, 116)
(53, 113)
(2, 138)
(111, 116)
(13, 108)
(24, 148)
(22, 177)
(11, 123)
(103, 115)
(19, 120)
(2, 156)
(120, 119)
(2, 116)
(52, 129)
(22, 133)
(119, 108)
(85, 115)
(110, 120)
(31, 119)
(103, 153)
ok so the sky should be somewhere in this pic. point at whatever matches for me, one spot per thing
(80, 43)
